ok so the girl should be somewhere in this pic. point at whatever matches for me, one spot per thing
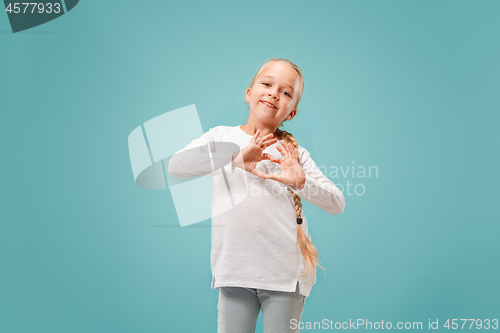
(255, 262)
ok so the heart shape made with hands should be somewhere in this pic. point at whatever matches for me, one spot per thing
(291, 171)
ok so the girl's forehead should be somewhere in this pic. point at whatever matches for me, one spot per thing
(280, 71)
(278, 67)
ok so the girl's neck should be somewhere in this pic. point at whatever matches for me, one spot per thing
(251, 129)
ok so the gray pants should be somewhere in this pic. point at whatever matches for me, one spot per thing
(239, 308)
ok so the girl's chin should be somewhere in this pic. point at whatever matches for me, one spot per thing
(267, 119)
(268, 109)
(268, 112)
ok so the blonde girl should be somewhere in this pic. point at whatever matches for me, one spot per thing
(257, 217)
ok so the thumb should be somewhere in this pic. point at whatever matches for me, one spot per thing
(259, 173)
(274, 177)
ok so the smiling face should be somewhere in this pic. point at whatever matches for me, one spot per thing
(273, 95)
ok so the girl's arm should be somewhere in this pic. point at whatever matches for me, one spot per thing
(318, 189)
(203, 157)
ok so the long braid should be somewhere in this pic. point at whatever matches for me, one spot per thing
(309, 251)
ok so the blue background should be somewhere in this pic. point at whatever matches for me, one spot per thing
(411, 87)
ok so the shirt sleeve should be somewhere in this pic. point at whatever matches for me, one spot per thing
(200, 158)
(318, 189)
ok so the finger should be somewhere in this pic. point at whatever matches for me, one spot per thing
(270, 142)
(285, 145)
(266, 138)
(256, 135)
(261, 144)
(281, 150)
(290, 149)
(296, 152)
(274, 177)
(285, 149)
(271, 158)
(259, 173)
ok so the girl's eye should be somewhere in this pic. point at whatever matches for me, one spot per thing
(268, 85)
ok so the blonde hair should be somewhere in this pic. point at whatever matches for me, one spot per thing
(307, 248)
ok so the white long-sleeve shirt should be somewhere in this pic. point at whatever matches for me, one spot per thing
(254, 223)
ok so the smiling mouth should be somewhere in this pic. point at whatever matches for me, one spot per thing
(268, 105)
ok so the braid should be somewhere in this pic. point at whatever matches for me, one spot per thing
(307, 248)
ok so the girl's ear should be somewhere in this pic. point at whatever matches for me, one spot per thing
(247, 95)
(291, 115)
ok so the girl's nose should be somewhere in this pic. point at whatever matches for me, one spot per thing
(273, 94)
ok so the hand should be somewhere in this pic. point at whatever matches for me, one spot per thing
(254, 153)
(291, 171)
